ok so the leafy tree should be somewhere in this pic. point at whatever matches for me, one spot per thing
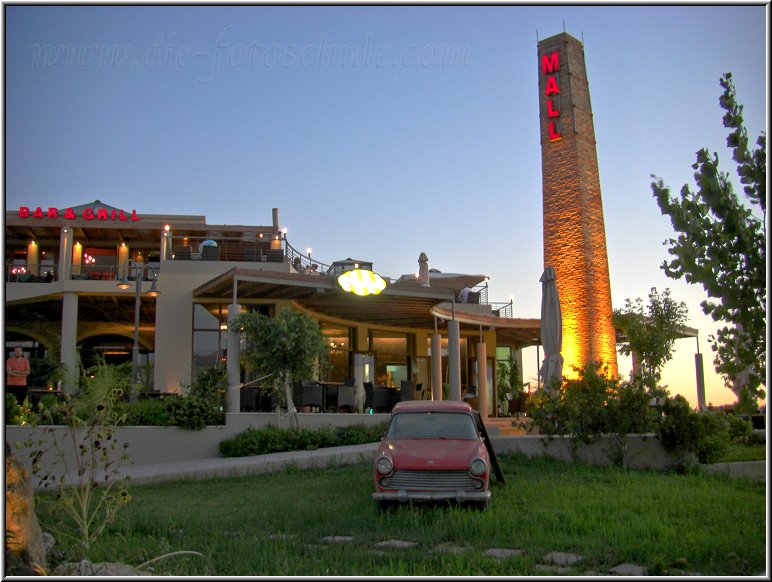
(722, 246)
(651, 331)
(287, 347)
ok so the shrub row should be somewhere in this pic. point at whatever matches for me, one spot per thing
(591, 405)
(276, 440)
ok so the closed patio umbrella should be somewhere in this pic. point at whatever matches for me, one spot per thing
(551, 328)
(423, 270)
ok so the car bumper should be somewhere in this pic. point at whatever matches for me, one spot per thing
(404, 496)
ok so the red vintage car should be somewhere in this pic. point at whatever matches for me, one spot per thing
(434, 451)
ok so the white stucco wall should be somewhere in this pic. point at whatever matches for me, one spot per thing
(174, 316)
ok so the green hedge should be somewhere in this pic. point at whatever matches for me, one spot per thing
(276, 440)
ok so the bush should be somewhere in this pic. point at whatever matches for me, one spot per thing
(276, 440)
(592, 405)
(692, 437)
(195, 413)
(204, 403)
(740, 429)
(146, 413)
(14, 413)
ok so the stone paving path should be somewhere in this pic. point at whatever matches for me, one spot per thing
(551, 563)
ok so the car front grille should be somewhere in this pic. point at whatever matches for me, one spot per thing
(431, 481)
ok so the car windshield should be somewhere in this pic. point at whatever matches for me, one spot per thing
(427, 425)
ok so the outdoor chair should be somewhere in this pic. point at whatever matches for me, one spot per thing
(330, 394)
(346, 398)
(297, 393)
(311, 396)
(407, 391)
(382, 399)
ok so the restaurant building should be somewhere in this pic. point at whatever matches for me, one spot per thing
(72, 294)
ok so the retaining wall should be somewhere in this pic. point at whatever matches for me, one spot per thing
(158, 444)
(643, 451)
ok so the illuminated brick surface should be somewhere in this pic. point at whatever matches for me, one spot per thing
(574, 231)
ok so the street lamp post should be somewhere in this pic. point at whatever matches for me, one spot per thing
(124, 283)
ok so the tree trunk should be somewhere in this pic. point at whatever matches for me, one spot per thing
(291, 412)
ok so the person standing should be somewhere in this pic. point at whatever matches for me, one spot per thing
(16, 372)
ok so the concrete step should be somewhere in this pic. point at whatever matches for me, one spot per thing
(508, 426)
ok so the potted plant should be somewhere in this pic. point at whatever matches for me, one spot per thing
(509, 387)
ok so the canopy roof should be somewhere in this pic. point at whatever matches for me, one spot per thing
(402, 304)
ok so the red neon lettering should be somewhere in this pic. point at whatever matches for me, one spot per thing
(88, 214)
(552, 87)
(69, 214)
(134, 215)
(101, 213)
(121, 215)
(554, 134)
(551, 111)
(23, 212)
(53, 213)
(38, 213)
(551, 63)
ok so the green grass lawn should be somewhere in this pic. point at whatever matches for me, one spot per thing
(275, 524)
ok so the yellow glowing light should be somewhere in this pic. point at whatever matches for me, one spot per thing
(361, 282)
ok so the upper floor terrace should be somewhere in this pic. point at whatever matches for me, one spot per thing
(99, 243)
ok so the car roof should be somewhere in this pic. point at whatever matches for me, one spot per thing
(432, 406)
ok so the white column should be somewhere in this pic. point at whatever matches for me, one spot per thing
(359, 379)
(234, 361)
(33, 259)
(166, 244)
(454, 360)
(123, 259)
(482, 379)
(64, 272)
(436, 366)
(69, 354)
(77, 258)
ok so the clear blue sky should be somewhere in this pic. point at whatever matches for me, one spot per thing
(380, 132)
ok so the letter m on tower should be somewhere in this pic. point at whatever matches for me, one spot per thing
(550, 63)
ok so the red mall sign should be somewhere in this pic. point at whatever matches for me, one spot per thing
(113, 214)
(550, 65)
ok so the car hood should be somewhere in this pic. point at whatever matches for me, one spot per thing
(419, 454)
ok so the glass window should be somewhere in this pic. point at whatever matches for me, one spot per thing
(443, 425)
(338, 340)
(210, 332)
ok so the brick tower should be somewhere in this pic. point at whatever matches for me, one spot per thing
(574, 231)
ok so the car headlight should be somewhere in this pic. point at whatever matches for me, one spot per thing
(384, 465)
(478, 466)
